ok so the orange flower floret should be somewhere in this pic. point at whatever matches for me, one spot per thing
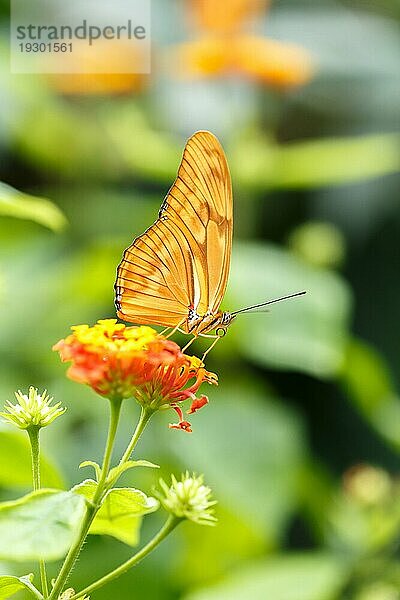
(124, 362)
(226, 15)
(115, 68)
(226, 46)
(278, 64)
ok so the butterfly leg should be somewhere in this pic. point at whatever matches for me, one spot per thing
(164, 331)
(217, 338)
(175, 328)
(190, 342)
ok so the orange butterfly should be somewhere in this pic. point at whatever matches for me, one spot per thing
(175, 274)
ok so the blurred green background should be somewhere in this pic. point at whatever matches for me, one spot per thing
(301, 439)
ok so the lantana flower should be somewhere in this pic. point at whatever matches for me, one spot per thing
(124, 362)
(226, 45)
(188, 498)
(113, 69)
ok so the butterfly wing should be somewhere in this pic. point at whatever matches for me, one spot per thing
(182, 261)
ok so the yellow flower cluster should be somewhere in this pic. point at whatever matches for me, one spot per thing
(112, 336)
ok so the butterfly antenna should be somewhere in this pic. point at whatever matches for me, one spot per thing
(242, 310)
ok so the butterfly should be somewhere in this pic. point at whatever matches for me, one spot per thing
(175, 274)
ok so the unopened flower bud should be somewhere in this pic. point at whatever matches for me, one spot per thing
(32, 410)
(188, 498)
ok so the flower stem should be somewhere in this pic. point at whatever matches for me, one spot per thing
(168, 526)
(33, 433)
(145, 416)
(93, 507)
(115, 411)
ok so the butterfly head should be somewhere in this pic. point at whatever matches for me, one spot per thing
(218, 322)
(221, 322)
(226, 319)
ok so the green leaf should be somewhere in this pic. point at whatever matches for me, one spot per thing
(360, 531)
(306, 334)
(255, 478)
(130, 464)
(95, 465)
(233, 541)
(369, 385)
(23, 206)
(40, 525)
(297, 577)
(258, 162)
(10, 585)
(154, 155)
(15, 463)
(326, 162)
(121, 512)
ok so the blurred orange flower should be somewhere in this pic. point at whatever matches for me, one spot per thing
(92, 84)
(124, 362)
(225, 15)
(224, 47)
(110, 69)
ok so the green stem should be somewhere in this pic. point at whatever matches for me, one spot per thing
(145, 416)
(93, 507)
(33, 433)
(168, 526)
(115, 407)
